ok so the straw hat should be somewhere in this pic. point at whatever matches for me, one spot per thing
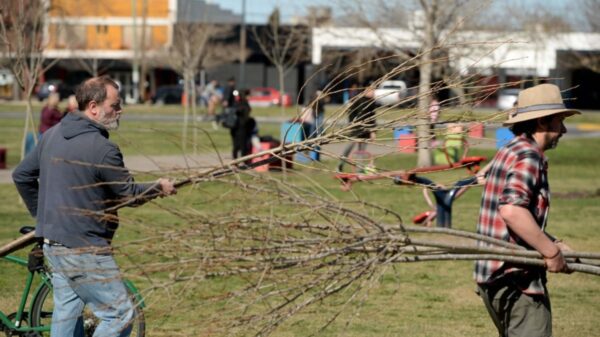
(536, 102)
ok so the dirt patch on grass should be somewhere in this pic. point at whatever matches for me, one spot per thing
(577, 194)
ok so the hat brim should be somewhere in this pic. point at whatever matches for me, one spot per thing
(539, 114)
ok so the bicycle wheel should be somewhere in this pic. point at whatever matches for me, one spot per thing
(43, 304)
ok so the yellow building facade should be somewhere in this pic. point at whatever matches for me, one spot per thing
(109, 25)
(109, 37)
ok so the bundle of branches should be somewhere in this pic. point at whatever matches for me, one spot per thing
(277, 245)
(293, 246)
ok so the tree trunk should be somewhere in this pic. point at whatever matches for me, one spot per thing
(29, 125)
(186, 110)
(281, 73)
(425, 70)
(95, 67)
(192, 102)
(423, 136)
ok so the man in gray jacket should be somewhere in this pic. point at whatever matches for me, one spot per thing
(68, 182)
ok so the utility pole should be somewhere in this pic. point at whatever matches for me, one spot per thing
(135, 71)
(242, 78)
(142, 54)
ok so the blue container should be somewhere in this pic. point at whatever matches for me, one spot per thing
(292, 132)
(302, 157)
(308, 156)
(503, 136)
(315, 155)
(407, 130)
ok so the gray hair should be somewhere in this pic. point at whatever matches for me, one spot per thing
(93, 89)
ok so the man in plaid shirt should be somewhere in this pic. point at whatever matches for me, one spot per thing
(514, 208)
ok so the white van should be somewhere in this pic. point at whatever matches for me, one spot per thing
(390, 92)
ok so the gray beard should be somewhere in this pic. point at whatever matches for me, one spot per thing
(108, 123)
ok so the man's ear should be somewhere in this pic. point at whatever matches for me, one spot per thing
(93, 108)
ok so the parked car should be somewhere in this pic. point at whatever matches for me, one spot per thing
(507, 98)
(168, 94)
(51, 86)
(391, 92)
(261, 97)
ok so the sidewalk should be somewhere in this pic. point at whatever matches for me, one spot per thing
(154, 163)
(140, 164)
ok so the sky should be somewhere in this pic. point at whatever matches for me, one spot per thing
(257, 11)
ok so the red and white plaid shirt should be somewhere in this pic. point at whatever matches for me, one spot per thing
(518, 176)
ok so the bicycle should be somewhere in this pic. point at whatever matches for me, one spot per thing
(35, 322)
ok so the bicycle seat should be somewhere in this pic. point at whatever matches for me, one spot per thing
(26, 229)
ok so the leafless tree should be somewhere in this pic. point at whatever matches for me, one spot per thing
(589, 10)
(284, 45)
(433, 22)
(194, 45)
(22, 43)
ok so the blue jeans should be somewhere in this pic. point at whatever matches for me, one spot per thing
(81, 277)
(319, 121)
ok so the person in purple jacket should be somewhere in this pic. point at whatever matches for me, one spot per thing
(50, 114)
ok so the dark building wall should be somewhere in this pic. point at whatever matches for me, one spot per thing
(257, 75)
(586, 92)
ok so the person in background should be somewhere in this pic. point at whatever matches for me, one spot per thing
(241, 133)
(229, 93)
(361, 116)
(254, 135)
(68, 183)
(211, 97)
(72, 105)
(353, 91)
(50, 115)
(514, 207)
(434, 112)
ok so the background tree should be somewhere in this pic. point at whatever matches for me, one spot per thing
(22, 43)
(589, 18)
(433, 22)
(284, 46)
(196, 44)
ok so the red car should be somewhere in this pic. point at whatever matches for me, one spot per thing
(261, 97)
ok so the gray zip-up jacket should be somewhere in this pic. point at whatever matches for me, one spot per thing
(70, 178)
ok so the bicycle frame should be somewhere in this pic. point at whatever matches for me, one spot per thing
(15, 324)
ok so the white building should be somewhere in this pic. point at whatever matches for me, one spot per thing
(489, 53)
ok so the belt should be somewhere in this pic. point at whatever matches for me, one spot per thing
(53, 243)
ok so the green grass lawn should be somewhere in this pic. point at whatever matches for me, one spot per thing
(420, 299)
(165, 137)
